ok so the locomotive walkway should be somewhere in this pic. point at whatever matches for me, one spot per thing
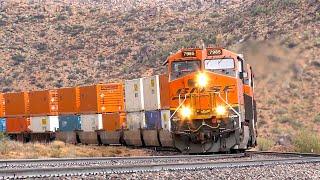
(94, 166)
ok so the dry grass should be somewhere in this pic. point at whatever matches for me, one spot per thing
(265, 144)
(307, 141)
(16, 150)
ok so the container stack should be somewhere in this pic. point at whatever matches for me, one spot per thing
(101, 109)
(17, 114)
(135, 104)
(43, 111)
(156, 102)
(69, 119)
(135, 112)
(2, 117)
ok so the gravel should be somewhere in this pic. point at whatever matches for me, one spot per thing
(295, 171)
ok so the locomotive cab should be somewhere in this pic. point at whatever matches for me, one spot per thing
(207, 100)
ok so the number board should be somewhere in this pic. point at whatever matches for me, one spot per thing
(214, 52)
(189, 53)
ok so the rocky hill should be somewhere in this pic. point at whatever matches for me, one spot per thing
(52, 44)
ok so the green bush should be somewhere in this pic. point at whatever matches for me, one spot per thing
(265, 144)
(291, 121)
(2, 136)
(317, 118)
(307, 141)
(18, 58)
(259, 10)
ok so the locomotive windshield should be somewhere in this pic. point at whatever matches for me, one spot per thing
(222, 66)
(182, 68)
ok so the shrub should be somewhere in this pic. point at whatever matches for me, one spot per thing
(317, 118)
(265, 144)
(18, 58)
(307, 141)
(291, 121)
(2, 136)
(41, 47)
(258, 10)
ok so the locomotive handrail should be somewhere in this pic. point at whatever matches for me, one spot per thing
(219, 95)
(202, 126)
(185, 97)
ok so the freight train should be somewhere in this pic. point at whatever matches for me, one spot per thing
(204, 104)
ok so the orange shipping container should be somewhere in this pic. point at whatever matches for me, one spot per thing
(43, 103)
(2, 108)
(68, 100)
(164, 91)
(16, 104)
(102, 98)
(17, 124)
(113, 121)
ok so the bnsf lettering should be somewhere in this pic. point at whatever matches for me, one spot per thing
(214, 89)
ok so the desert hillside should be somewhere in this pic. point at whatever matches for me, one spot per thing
(47, 44)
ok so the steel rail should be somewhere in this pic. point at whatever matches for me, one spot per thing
(59, 161)
(275, 153)
(94, 170)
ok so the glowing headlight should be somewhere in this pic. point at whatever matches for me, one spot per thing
(221, 110)
(202, 79)
(185, 112)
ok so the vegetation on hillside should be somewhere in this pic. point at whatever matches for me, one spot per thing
(50, 45)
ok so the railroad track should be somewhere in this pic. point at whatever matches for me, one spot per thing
(160, 164)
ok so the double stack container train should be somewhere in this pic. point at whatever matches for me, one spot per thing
(204, 104)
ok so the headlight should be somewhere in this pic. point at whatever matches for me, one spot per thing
(221, 110)
(185, 112)
(202, 80)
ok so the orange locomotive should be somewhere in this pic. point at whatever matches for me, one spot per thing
(211, 100)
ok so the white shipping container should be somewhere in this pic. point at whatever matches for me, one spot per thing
(134, 95)
(91, 122)
(165, 119)
(136, 120)
(44, 124)
(151, 93)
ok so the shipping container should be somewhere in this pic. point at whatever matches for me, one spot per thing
(44, 124)
(69, 100)
(159, 119)
(43, 103)
(113, 121)
(91, 122)
(102, 98)
(165, 120)
(16, 104)
(153, 119)
(69, 123)
(17, 124)
(136, 120)
(2, 106)
(156, 92)
(2, 125)
(134, 95)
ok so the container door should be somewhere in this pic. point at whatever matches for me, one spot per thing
(44, 123)
(111, 121)
(165, 119)
(64, 123)
(53, 123)
(2, 125)
(153, 119)
(134, 95)
(151, 93)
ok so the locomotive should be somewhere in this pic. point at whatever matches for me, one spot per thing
(212, 101)
(207, 95)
